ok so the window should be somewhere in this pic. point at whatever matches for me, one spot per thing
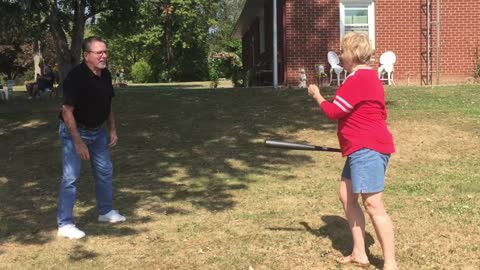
(357, 16)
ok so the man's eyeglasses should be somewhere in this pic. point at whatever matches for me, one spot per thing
(98, 53)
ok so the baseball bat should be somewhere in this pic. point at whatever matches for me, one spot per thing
(299, 146)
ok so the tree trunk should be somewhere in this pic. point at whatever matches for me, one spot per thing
(37, 59)
(78, 30)
(167, 10)
(67, 57)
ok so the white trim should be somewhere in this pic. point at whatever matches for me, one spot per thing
(371, 23)
(345, 102)
(341, 106)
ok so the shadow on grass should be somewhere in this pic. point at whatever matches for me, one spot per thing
(176, 148)
(338, 231)
(79, 253)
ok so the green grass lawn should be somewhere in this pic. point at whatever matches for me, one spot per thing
(201, 192)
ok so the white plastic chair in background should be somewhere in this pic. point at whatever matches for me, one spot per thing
(10, 84)
(387, 60)
(335, 67)
(4, 93)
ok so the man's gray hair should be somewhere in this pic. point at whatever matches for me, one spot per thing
(88, 42)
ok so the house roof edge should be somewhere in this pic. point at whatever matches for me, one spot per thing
(248, 15)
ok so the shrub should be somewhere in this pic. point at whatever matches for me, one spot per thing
(226, 65)
(213, 71)
(141, 72)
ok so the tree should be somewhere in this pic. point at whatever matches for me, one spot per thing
(221, 38)
(170, 35)
(65, 20)
(16, 39)
(14, 60)
(222, 44)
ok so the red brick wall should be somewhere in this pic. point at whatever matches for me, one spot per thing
(398, 28)
(313, 29)
(460, 38)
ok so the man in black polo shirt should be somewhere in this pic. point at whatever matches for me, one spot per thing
(86, 110)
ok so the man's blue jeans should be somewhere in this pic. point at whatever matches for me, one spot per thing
(97, 143)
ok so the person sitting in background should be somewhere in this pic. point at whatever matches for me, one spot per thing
(31, 87)
(43, 84)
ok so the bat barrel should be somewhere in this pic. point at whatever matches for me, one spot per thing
(298, 146)
(288, 145)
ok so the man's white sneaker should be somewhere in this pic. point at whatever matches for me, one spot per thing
(113, 217)
(70, 231)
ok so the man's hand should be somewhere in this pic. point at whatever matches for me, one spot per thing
(82, 150)
(80, 146)
(112, 129)
(113, 138)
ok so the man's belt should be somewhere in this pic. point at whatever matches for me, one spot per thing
(82, 126)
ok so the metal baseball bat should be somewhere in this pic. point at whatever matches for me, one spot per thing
(299, 146)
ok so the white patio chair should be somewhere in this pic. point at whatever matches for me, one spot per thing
(3, 93)
(387, 60)
(334, 62)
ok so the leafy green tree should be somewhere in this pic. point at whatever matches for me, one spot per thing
(16, 39)
(222, 44)
(13, 61)
(64, 20)
(221, 38)
(170, 35)
(174, 37)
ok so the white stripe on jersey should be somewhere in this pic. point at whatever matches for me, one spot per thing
(341, 106)
(344, 102)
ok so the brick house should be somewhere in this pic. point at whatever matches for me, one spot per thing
(308, 29)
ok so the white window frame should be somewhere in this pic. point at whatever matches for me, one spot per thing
(370, 5)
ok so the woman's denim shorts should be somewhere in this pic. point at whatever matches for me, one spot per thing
(366, 169)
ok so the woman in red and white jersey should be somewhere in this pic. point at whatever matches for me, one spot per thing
(359, 107)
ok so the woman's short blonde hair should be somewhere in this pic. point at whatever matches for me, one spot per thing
(356, 48)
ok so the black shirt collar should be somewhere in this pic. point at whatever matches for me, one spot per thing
(90, 72)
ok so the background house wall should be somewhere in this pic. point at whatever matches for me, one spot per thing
(399, 28)
(312, 29)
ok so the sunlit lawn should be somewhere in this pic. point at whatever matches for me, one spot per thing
(201, 192)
